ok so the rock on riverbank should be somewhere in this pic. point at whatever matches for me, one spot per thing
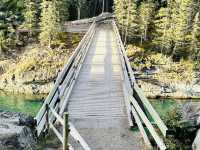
(191, 113)
(16, 131)
(178, 90)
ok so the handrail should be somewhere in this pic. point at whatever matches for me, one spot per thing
(86, 47)
(68, 128)
(163, 128)
(54, 94)
(130, 87)
(148, 124)
(127, 63)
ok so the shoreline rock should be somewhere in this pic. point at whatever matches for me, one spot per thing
(191, 113)
(17, 131)
(27, 89)
(173, 90)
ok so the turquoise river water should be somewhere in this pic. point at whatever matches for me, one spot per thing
(31, 104)
(20, 103)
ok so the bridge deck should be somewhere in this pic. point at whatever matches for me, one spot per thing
(96, 106)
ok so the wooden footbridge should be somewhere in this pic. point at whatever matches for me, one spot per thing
(97, 98)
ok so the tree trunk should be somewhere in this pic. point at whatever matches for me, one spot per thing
(145, 34)
(141, 41)
(79, 13)
(95, 8)
(103, 6)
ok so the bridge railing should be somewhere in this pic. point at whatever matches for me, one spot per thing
(64, 122)
(58, 96)
(136, 102)
(67, 128)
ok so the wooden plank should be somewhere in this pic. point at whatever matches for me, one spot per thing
(163, 128)
(75, 134)
(141, 128)
(59, 118)
(97, 117)
(125, 84)
(148, 124)
(52, 117)
(56, 132)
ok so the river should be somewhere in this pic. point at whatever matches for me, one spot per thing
(31, 104)
(20, 103)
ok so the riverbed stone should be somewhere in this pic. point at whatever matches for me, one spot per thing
(16, 131)
(191, 112)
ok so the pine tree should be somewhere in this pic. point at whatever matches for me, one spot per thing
(50, 22)
(146, 14)
(131, 24)
(30, 15)
(120, 13)
(162, 26)
(182, 36)
(195, 43)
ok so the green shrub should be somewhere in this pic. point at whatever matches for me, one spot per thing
(183, 135)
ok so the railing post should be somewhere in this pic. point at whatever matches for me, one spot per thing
(65, 132)
(47, 117)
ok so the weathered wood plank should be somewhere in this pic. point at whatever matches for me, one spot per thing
(58, 134)
(148, 124)
(75, 134)
(163, 128)
(59, 118)
(141, 128)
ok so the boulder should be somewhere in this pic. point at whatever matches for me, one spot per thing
(16, 131)
(191, 113)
